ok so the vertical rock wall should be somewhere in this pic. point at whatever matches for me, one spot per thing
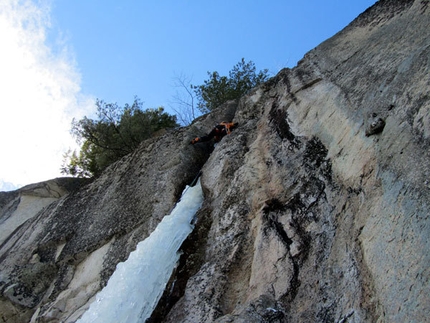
(318, 204)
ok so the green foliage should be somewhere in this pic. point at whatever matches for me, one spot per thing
(117, 132)
(219, 89)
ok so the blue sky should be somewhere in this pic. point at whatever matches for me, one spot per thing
(58, 56)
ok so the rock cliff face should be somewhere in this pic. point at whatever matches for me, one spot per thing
(316, 208)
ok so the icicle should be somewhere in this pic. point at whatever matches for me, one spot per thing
(137, 284)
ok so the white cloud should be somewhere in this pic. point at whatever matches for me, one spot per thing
(40, 94)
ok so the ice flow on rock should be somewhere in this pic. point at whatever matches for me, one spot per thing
(137, 284)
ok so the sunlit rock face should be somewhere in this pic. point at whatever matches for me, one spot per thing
(316, 207)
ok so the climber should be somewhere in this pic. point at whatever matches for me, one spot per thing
(217, 133)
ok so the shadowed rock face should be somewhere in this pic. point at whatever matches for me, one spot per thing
(316, 207)
(57, 249)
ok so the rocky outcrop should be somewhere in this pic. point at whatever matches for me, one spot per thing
(18, 209)
(316, 207)
(65, 247)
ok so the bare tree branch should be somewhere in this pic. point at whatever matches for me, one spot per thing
(184, 100)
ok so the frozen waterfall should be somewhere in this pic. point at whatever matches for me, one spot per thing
(137, 284)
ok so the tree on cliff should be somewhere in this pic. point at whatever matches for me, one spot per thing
(219, 89)
(117, 132)
(190, 101)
